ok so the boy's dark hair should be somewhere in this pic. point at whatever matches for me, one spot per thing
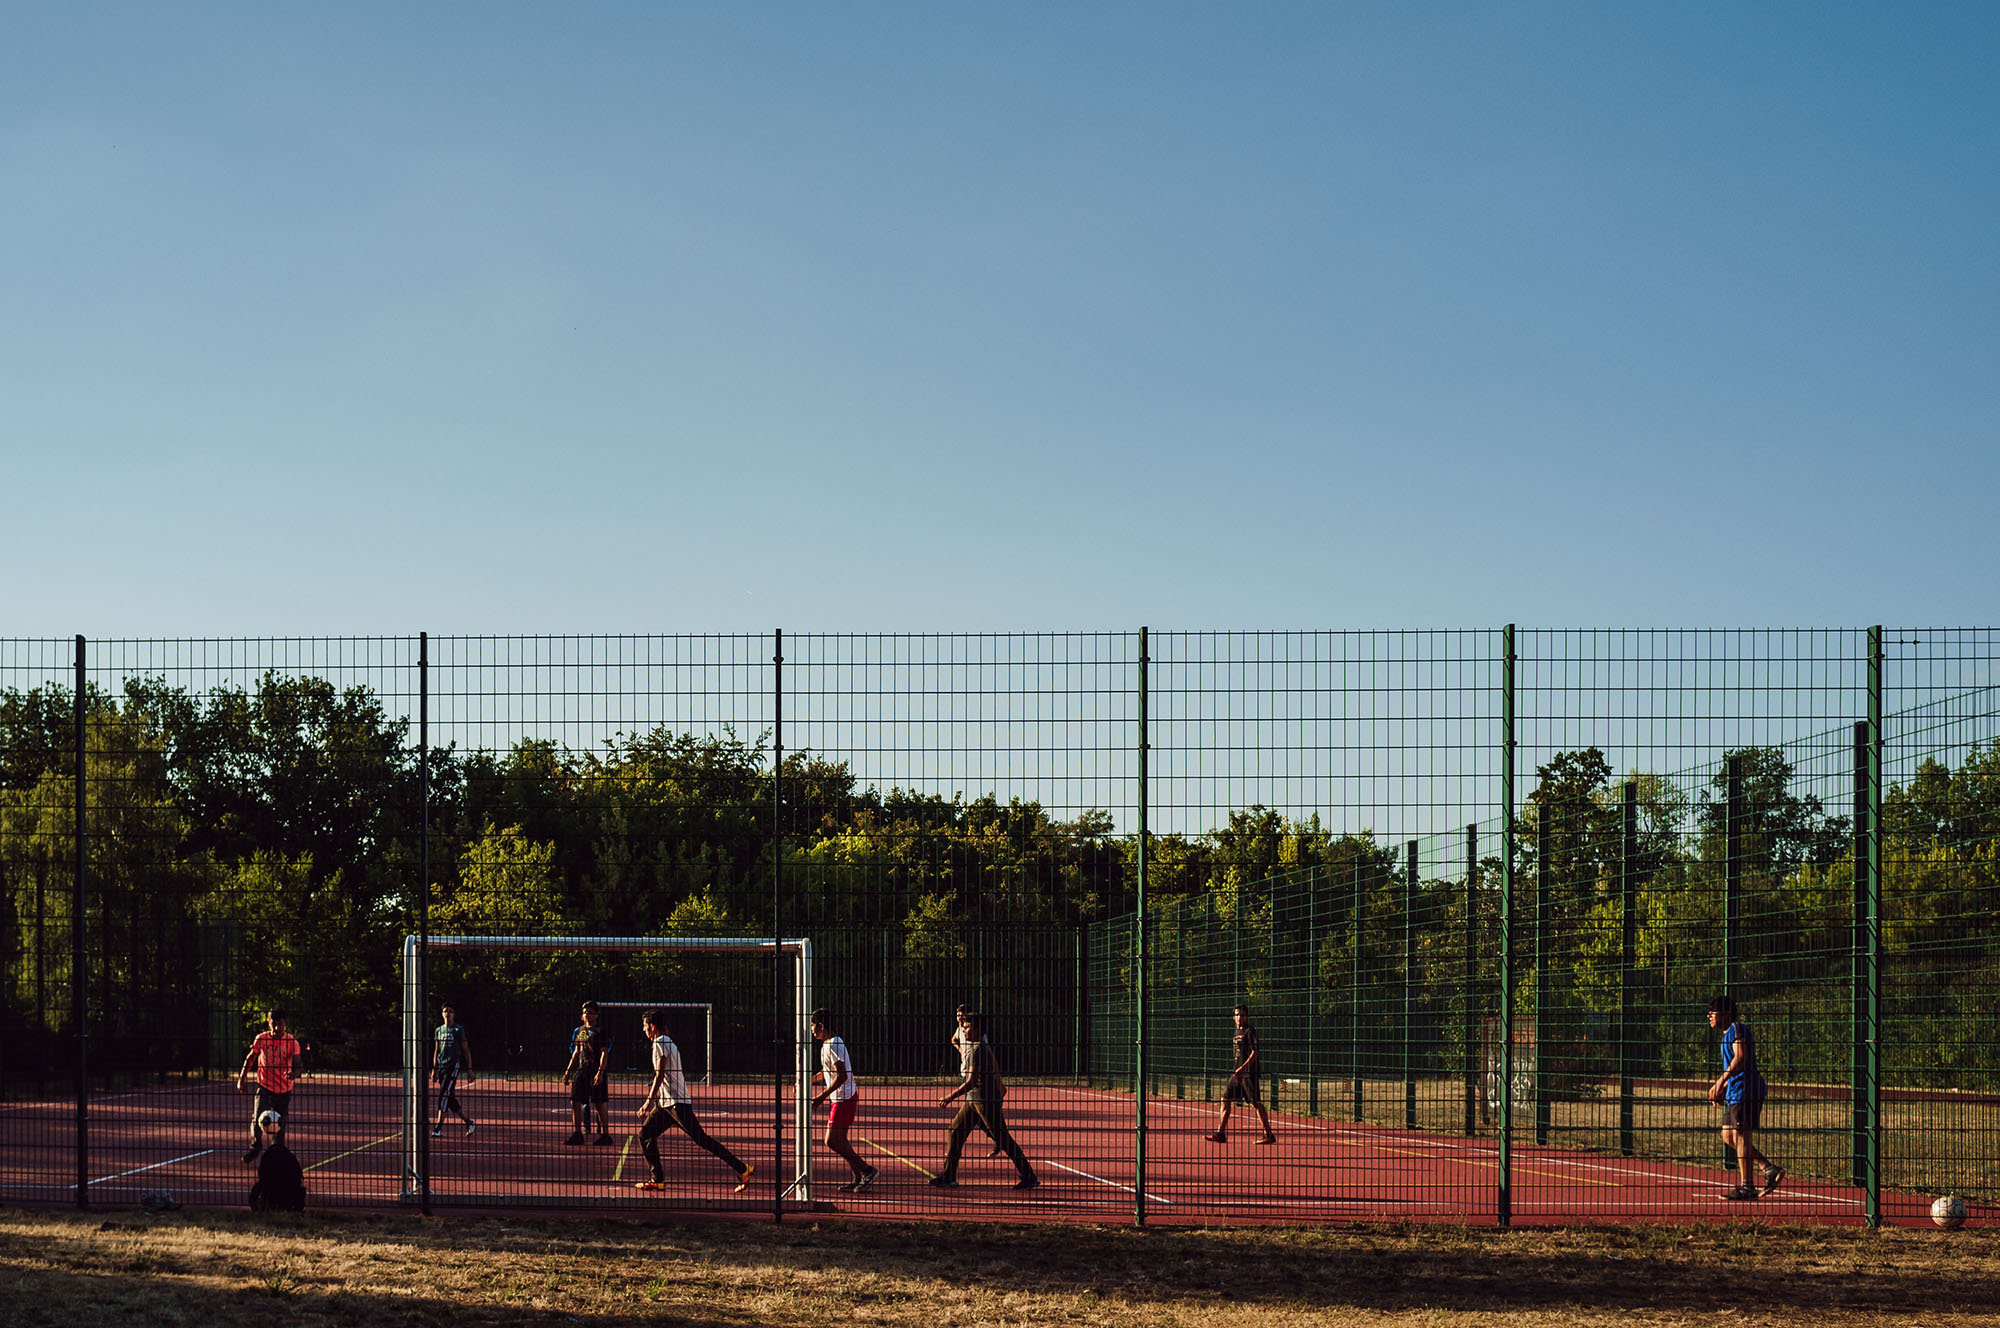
(276, 1015)
(823, 1017)
(653, 1019)
(975, 1024)
(1724, 1005)
(590, 1006)
(963, 1009)
(1243, 1010)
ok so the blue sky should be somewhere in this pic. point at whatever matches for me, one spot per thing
(660, 317)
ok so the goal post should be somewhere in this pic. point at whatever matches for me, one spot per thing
(417, 1032)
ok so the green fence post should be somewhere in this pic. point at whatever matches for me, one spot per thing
(1542, 912)
(1409, 985)
(1354, 987)
(79, 930)
(1468, 995)
(1139, 960)
(1628, 929)
(1505, 1117)
(1866, 960)
(1312, 991)
(1732, 892)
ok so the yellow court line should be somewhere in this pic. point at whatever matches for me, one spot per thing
(619, 1171)
(352, 1151)
(898, 1156)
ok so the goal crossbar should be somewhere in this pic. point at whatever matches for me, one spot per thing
(417, 1039)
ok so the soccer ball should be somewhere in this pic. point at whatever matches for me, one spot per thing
(270, 1120)
(1949, 1212)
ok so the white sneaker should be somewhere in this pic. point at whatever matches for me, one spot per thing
(470, 1126)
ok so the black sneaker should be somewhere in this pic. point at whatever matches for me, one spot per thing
(576, 1137)
(1026, 1183)
(867, 1180)
(1774, 1176)
(601, 1140)
(943, 1182)
(851, 1186)
(251, 1156)
(1742, 1193)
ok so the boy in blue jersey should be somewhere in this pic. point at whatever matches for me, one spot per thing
(1740, 1090)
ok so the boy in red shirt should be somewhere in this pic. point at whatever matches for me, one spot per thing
(274, 1052)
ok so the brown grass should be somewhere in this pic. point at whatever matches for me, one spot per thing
(215, 1270)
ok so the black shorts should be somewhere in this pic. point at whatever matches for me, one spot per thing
(584, 1089)
(1242, 1088)
(266, 1100)
(1742, 1115)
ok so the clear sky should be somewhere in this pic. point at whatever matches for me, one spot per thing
(669, 317)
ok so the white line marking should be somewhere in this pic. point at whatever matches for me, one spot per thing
(1101, 1181)
(148, 1167)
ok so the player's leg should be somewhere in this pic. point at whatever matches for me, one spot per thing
(600, 1097)
(996, 1125)
(961, 1126)
(838, 1122)
(1230, 1092)
(684, 1117)
(1256, 1095)
(658, 1122)
(579, 1109)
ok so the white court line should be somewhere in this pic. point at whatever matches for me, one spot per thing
(148, 1167)
(1101, 1181)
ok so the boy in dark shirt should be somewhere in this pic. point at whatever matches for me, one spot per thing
(982, 1081)
(588, 1070)
(1243, 1080)
(281, 1181)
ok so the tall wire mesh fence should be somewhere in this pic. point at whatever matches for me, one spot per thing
(1474, 891)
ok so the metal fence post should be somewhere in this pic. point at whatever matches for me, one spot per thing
(778, 974)
(1542, 915)
(1312, 991)
(1505, 1121)
(1871, 1003)
(1139, 960)
(1733, 821)
(1354, 988)
(1468, 995)
(79, 926)
(415, 1052)
(1628, 929)
(1409, 984)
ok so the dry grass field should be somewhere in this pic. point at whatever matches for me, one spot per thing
(217, 1270)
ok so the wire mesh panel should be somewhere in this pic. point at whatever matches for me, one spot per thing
(1475, 892)
(958, 808)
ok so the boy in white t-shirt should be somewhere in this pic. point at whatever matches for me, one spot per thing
(667, 1105)
(837, 1073)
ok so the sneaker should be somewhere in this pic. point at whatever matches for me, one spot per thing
(1268, 1139)
(743, 1180)
(851, 1186)
(436, 1130)
(649, 1185)
(1026, 1183)
(867, 1179)
(601, 1140)
(1774, 1176)
(943, 1182)
(1216, 1138)
(470, 1126)
(574, 1138)
(251, 1156)
(1741, 1193)
(997, 1151)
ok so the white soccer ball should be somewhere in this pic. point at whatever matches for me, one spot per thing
(270, 1120)
(1949, 1212)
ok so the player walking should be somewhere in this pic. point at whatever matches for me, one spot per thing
(1243, 1080)
(273, 1052)
(587, 1074)
(837, 1073)
(668, 1104)
(451, 1067)
(982, 1081)
(1740, 1090)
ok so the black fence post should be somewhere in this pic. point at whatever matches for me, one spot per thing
(1628, 928)
(1732, 892)
(1469, 995)
(417, 1048)
(780, 1052)
(1542, 916)
(1139, 1066)
(1409, 985)
(1354, 988)
(79, 931)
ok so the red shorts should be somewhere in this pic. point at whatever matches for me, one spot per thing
(843, 1113)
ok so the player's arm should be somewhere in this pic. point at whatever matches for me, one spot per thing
(603, 1063)
(653, 1091)
(833, 1082)
(1735, 1066)
(1249, 1060)
(243, 1075)
(971, 1077)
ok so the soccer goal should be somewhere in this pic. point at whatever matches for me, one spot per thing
(795, 1178)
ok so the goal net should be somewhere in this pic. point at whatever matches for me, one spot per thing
(518, 998)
